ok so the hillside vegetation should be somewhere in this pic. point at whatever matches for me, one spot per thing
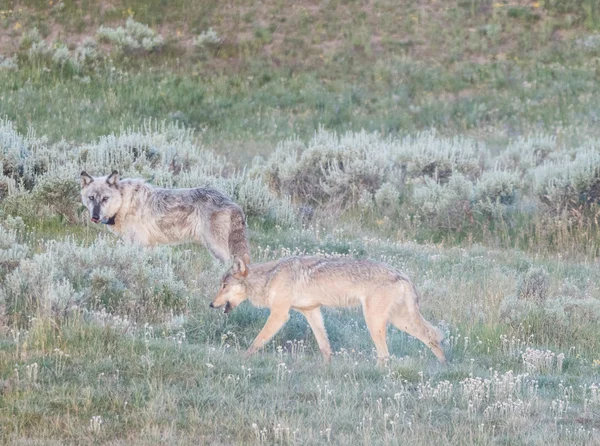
(456, 141)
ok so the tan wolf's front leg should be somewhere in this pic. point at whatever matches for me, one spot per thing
(277, 318)
(315, 320)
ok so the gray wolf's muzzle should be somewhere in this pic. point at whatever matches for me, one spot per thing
(96, 214)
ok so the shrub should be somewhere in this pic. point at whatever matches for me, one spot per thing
(534, 285)
(87, 52)
(124, 279)
(6, 185)
(163, 154)
(569, 184)
(12, 251)
(29, 38)
(58, 192)
(526, 153)
(332, 171)
(134, 37)
(325, 175)
(62, 58)
(207, 38)
(565, 311)
(8, 63)
(589, 44)
(444, 205)
(562, 312)
(428, 155)
(14, 150)
(387, 198)
(26, 289)
(258, 201)
(514, 310)
(39, 51)
(366, 201)
(533, 302)
(495, 192)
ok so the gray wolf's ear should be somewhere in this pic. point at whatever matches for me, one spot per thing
(239, 267)
(85, 179)
(113, 178)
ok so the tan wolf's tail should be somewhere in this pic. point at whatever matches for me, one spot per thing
(238, 240)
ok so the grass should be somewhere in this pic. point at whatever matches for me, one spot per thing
(179, 383)
(103, 343)
(494, 73)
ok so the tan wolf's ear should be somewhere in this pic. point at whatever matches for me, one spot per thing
(239, 267)
(113, 178)
(86, 179)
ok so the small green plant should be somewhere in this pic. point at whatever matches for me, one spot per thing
(495, 192)
(8, 63)
(445, 206)
(534, 285)
(570, 183)
(135, 37)
(208, 38)
(58, 193)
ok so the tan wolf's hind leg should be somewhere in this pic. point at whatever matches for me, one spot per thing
(315, 320)
(413, 323)
(376, 319)
(277, 318)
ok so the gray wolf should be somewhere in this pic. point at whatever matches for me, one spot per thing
(306, 283)
(149, 215)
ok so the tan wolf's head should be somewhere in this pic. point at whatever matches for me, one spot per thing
(233, 289)
(101, 195)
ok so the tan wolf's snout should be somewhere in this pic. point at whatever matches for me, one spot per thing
(233, 289)
(227, 309)
(306, 283)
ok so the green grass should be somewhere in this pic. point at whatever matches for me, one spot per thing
(265, 104)
(161, 367)
(180, 383)
(493, 73)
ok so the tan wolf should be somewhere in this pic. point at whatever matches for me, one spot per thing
(149, 215)
(306, 283)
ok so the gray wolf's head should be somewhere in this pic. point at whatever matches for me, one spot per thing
(234, 288)
(101, 195)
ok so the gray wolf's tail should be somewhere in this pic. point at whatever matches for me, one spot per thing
(238, 239)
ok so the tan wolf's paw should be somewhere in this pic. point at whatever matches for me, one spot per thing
(249, 353)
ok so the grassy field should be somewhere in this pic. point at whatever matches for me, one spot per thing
(456, 141)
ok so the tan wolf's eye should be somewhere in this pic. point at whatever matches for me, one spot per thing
(91, 198)
(104, 198)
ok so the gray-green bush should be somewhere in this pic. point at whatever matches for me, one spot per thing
(133, 37)
(45, 178)
(123, 279)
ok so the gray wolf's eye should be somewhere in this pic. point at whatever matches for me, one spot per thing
(104, 198)
(91, 198)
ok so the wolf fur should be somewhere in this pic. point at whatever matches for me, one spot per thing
(306, 283)
(149, 215)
